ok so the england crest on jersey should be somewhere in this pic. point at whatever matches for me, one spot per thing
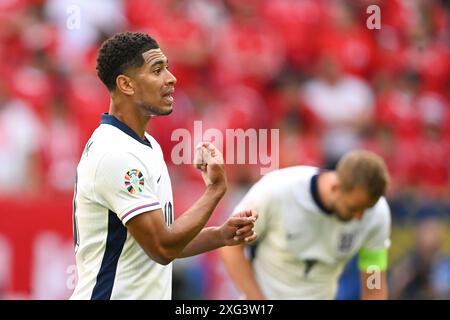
(345, 242)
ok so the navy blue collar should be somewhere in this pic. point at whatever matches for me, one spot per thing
(314, 187)
(111, 120)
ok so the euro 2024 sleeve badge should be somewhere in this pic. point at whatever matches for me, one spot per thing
(134, 181)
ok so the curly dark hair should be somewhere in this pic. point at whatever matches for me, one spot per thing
(120, 52)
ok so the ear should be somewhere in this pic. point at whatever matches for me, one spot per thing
(335, 186)
(124, 84)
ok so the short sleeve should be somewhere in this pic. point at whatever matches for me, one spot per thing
(259, 200)
(379, 235)
(123, 185)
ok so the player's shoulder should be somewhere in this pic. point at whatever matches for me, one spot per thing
(284, 180)
(103, 143)
(381, 207)
(109, 138)
(109, 148)
(291, 174)
(380, 213)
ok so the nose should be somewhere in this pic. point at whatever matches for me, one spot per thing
(171, 80)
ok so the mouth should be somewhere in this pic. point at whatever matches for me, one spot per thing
(167, 96)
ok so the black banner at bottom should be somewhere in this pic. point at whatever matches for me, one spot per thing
(216, 309)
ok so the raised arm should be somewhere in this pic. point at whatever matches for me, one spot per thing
(162, 243)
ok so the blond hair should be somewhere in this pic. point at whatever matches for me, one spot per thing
(364, 169)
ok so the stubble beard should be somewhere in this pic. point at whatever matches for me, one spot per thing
(152, 111)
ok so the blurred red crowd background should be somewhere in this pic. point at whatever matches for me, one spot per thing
(309, 68)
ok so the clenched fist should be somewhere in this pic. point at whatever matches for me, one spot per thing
(209, 160)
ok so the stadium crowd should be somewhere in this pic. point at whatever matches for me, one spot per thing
(310, 68)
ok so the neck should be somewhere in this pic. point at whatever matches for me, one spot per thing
(325, 183)
(129, 115)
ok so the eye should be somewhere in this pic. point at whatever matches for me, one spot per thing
(157, 71)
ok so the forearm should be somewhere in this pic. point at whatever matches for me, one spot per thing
(208, 239)
(192, 221)
(241, 272)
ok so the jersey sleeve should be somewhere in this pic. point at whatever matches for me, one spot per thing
(374, 251)
(123, 185)
(259, 199)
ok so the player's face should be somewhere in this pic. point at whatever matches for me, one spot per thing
(352, 204)
(154, 84)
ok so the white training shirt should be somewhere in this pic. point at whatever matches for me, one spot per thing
(302, 249)
(118, 177)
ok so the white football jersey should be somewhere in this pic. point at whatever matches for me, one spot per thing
(302, 248)
(118, 177)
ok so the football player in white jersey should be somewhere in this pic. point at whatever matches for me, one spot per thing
(124, 231)
(311, 222)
